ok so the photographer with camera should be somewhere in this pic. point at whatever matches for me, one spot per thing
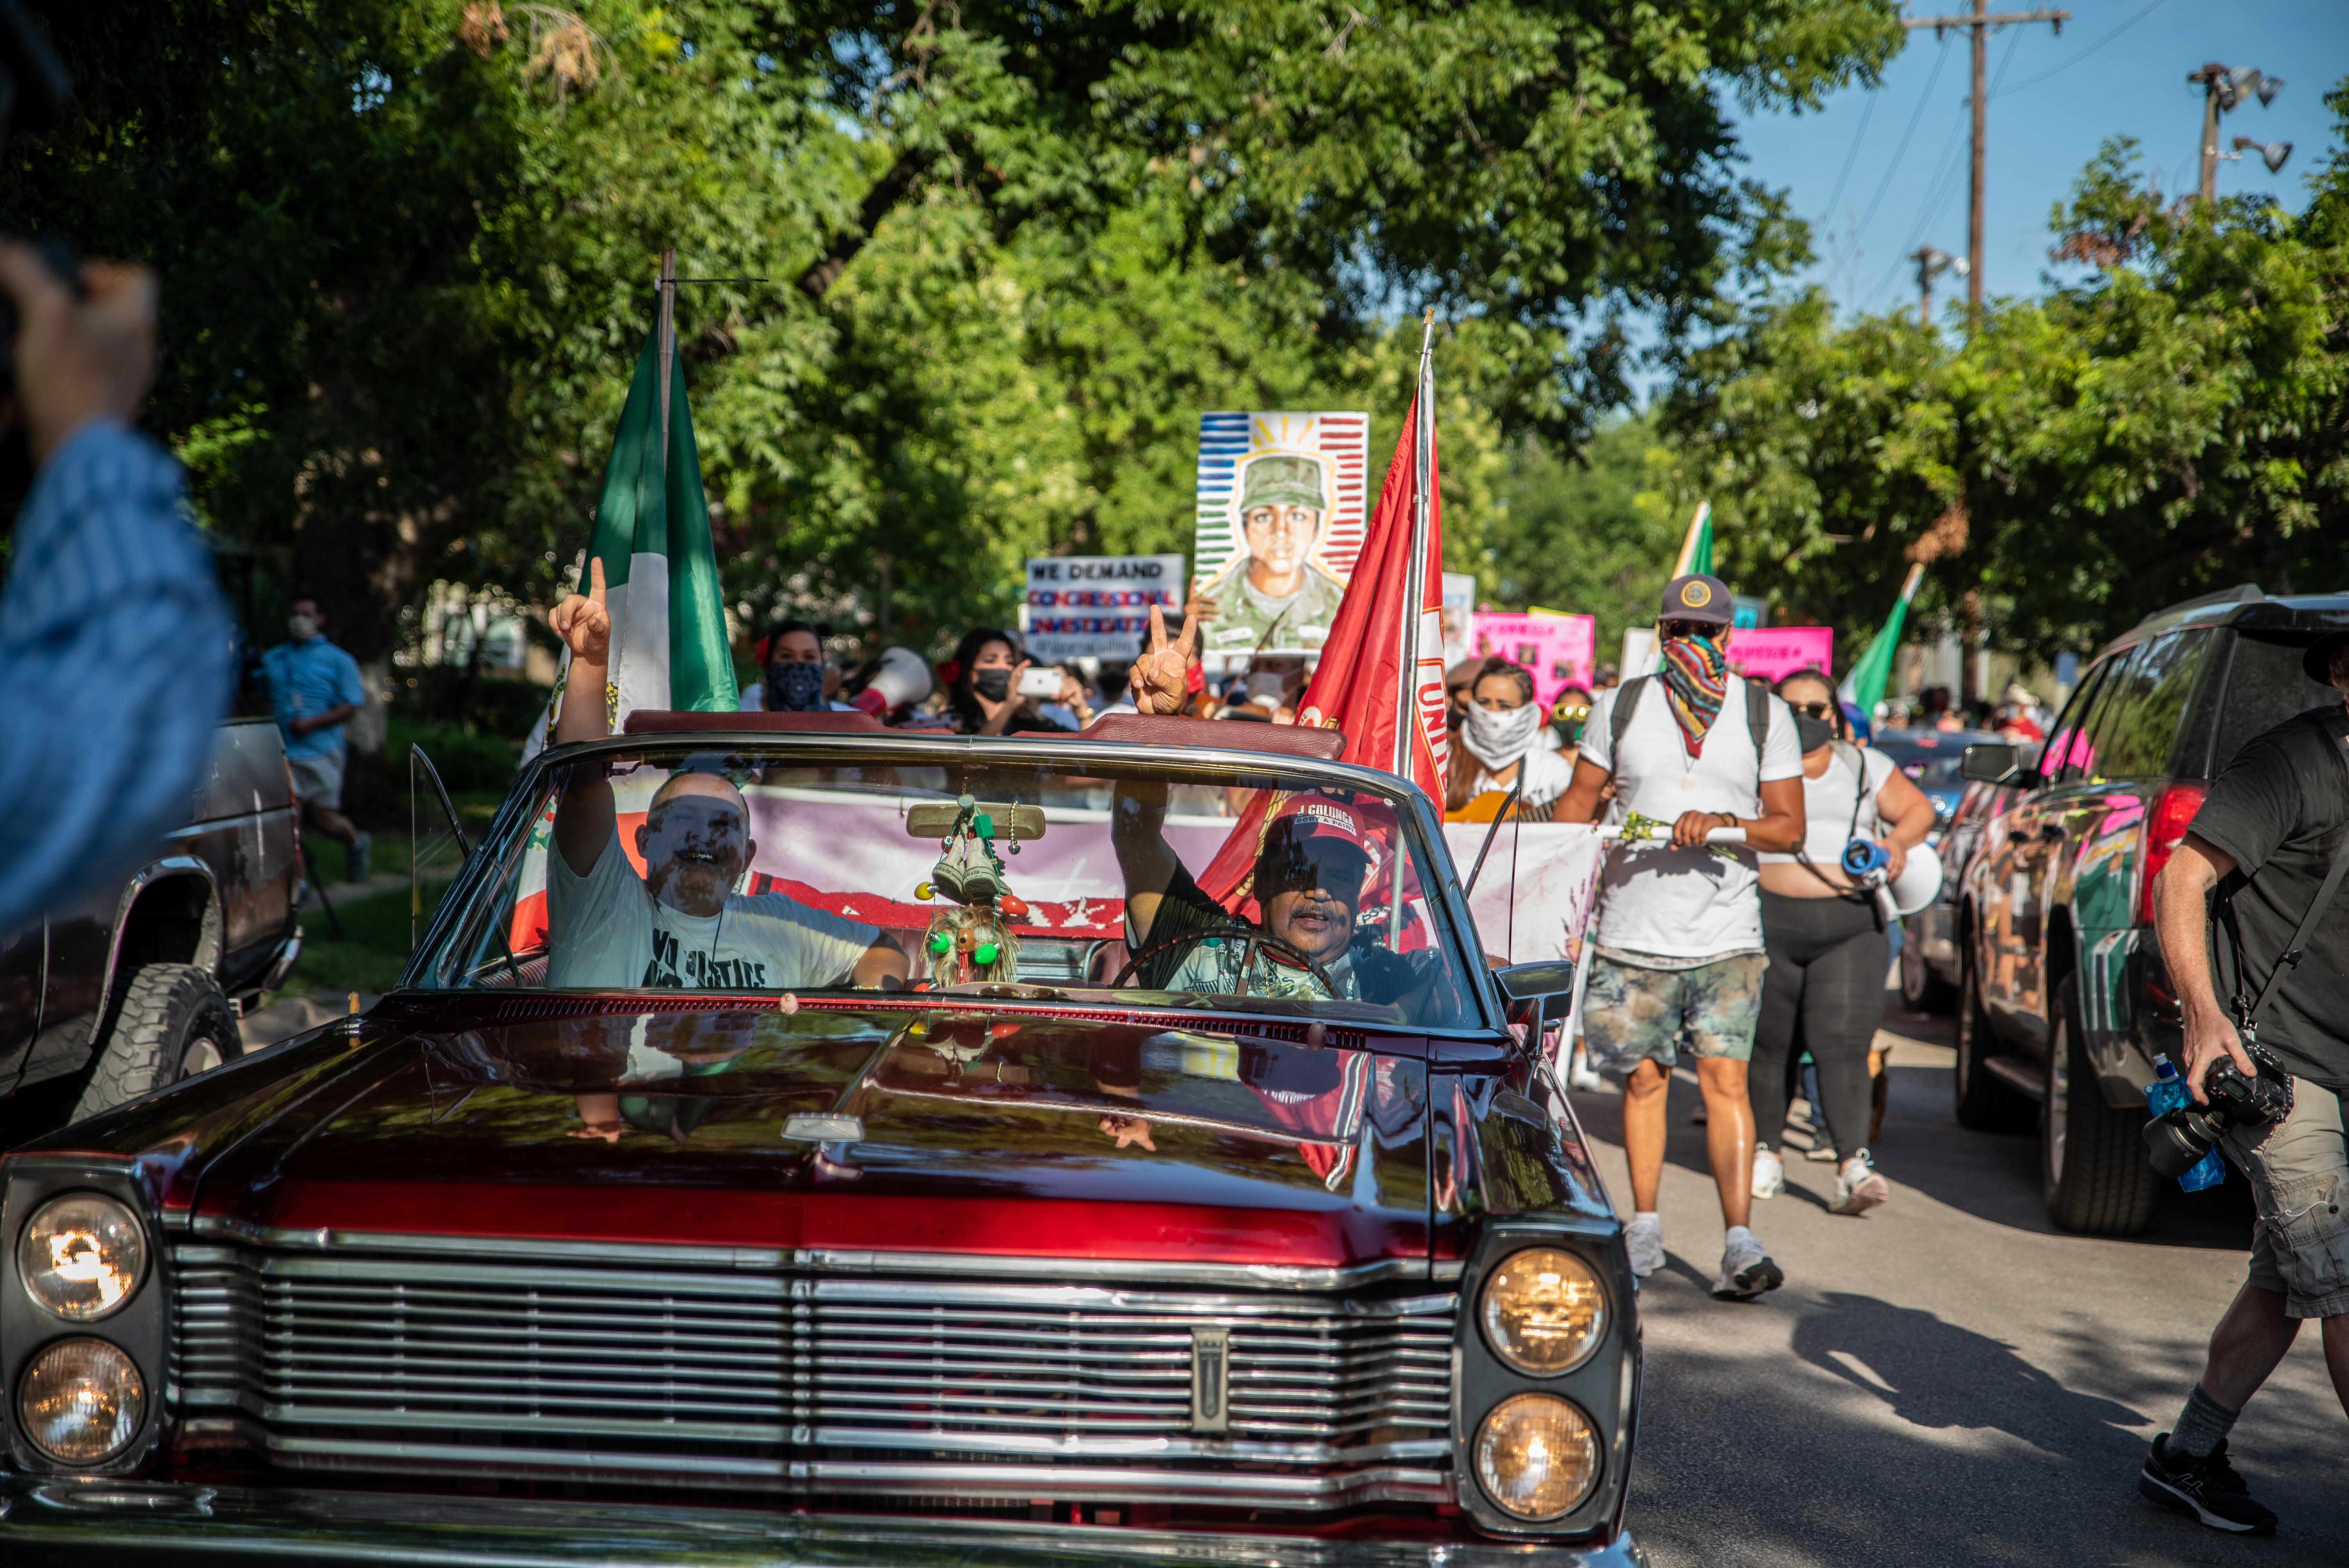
(2267, 1070)
(116, 656)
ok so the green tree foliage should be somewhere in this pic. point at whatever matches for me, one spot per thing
(2167, 427)
(1007, 253)
(1591, 536)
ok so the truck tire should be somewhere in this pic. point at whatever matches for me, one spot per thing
(173, 1023)
(1985, 1102)
(2099, 1180)
(1921, 990)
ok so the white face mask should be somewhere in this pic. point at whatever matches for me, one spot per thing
(303, 627)
(1499, 738)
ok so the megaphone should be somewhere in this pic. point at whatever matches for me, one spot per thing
(1918, 884)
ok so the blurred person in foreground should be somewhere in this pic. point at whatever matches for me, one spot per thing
(314, 691)
(2265, 842)
(117, 656)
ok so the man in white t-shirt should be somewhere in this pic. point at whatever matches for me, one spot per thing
(1678, 957)
(681, 925)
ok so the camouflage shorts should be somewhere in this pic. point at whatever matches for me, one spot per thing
(1633, 1015)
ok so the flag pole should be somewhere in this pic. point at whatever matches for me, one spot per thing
(1422, 464)
(1687, 557)
(665, 351)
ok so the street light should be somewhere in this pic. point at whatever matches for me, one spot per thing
(2272, 153)
(2224, 89)
(1931, 265)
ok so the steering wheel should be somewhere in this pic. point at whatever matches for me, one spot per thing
(1246, 934)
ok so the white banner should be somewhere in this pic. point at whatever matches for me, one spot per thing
(1533, 899)
(1097, 606)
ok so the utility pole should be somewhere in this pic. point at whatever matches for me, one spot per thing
(2223, 89)
(1982, 21)
(1931, 263)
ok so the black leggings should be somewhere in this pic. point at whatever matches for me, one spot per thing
(1823, 992)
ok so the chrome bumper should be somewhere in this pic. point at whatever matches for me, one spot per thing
(91, 1521)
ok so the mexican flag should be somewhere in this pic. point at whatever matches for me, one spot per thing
(652, 534)
(1864, 682)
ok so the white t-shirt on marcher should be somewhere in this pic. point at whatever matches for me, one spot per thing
(1547, 775)
(1686, 903)
(607, 930)
(1827, 802)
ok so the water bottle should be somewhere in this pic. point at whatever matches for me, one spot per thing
(2168, 1092)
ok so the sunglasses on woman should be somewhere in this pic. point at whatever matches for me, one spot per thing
(1814, 709)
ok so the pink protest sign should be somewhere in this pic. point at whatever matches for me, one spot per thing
(1773, 652)
(1558, 649)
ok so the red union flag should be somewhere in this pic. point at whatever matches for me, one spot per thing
(1379, 682)
(1380, 678)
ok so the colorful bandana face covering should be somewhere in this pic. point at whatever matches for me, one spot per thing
(1696, 678)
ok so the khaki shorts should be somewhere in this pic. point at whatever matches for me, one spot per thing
(319, 781)
(2299, 1168)
(1632, 1014)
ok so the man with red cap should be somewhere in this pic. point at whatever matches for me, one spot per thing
(1312, 861)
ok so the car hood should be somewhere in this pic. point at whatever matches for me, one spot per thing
(942, 1130)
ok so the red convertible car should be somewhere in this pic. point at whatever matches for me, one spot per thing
(797, 1141)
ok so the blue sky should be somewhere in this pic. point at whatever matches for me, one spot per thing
(2058, 101)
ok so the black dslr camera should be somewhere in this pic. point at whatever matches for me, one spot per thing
(2178, 1139)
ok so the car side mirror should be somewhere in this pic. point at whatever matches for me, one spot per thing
(1992, 763)
(1538, 992)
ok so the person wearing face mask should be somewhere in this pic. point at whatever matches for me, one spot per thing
(981, 698)
(793, 672)
(682, 924)
(1501, 736)
(315, 691)
(1677, 959)
(1828, 943)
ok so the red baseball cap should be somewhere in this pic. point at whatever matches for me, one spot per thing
(1304, 819)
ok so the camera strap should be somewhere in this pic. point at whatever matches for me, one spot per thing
(2247, 1016)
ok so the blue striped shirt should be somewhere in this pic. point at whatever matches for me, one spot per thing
(116, 667)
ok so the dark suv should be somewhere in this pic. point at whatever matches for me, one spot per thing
(2061, 998)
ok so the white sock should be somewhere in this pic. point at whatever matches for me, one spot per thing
(1738, 1233)
(1648, 1216)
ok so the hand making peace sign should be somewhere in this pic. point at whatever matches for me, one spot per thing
(1161, 676)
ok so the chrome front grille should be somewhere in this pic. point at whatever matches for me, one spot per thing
(792, 1377)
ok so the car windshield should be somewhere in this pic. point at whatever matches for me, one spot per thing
(773, 867)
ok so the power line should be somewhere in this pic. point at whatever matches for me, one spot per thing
(1937, 192)
(1852, 157)
(2067, 65)
(1894, 166)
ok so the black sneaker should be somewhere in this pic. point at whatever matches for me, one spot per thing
(2207, 1488)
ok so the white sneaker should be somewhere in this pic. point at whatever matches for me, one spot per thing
(1769, 1172)
(1746, 1270)
(1859, 1188)
(1644, 1239)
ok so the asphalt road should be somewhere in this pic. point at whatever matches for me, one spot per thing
(1949, 1379)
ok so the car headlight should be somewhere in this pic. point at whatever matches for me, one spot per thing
(1545, 1311)
(82, 1257)
(1537, 1457)
(81, 1402)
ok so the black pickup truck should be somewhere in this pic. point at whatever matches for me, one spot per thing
(141, 985)
(2061, 998)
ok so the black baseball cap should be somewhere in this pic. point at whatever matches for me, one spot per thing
(1700, 597)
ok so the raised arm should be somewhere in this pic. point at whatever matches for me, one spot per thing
(1137, 823)
(584, 820)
